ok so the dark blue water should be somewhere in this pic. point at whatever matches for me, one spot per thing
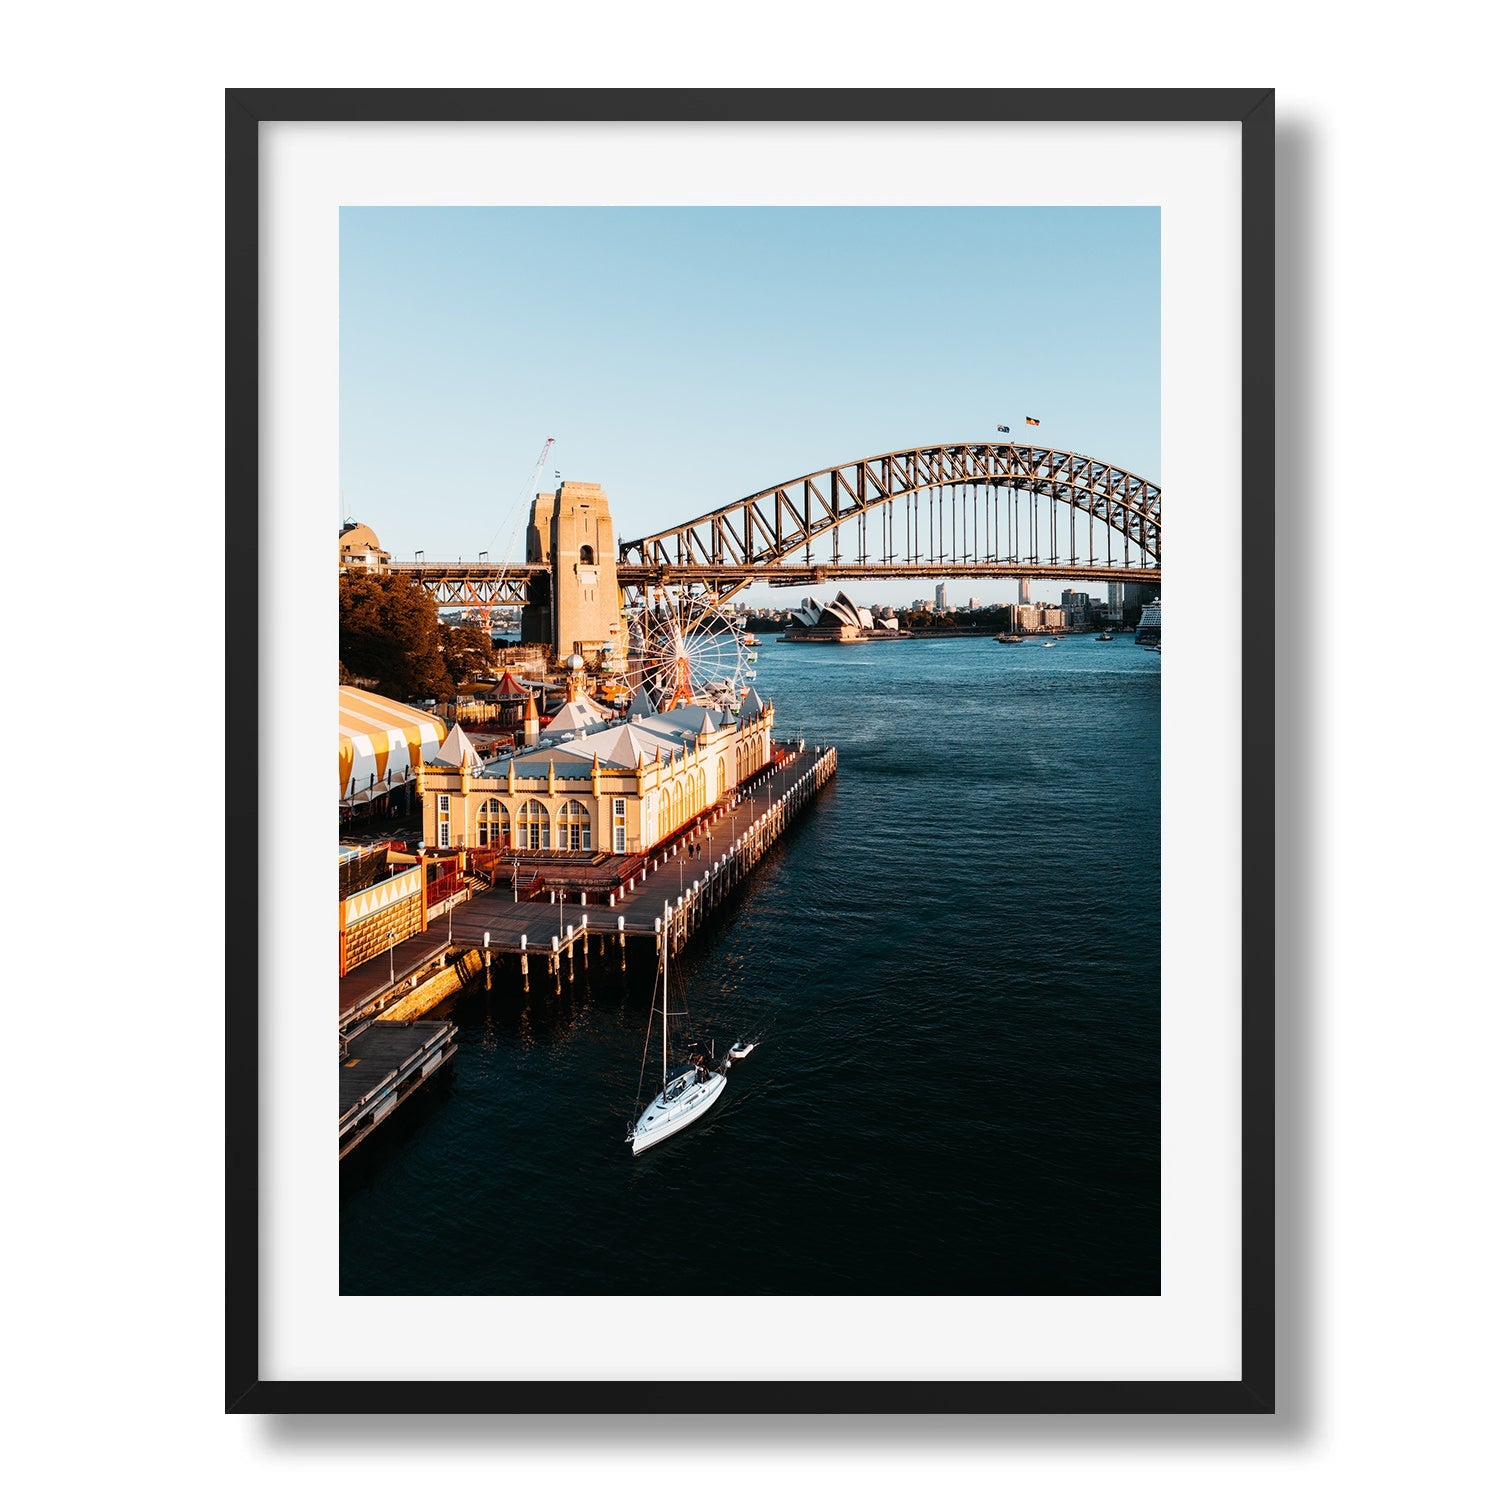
(954, 960)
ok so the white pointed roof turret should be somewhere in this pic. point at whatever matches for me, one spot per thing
(458, 750)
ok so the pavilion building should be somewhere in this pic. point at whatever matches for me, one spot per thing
(597, 784)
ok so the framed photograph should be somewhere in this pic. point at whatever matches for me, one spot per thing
(800, 945)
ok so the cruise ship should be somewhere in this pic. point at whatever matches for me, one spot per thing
(1148, 632)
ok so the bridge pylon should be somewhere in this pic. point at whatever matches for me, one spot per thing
(576, 605)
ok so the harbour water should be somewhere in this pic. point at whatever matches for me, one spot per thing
(953, 963)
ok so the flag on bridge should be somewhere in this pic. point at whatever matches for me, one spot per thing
(1002, 429)
(1033, 421)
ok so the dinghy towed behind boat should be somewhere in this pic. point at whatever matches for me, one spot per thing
(688, 1091)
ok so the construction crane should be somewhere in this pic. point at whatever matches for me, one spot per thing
(522, 510)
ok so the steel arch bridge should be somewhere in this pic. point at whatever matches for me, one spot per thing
(948, 510)
(963, 510)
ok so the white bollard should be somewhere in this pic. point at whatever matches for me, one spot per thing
(619, 924)
(523, 942)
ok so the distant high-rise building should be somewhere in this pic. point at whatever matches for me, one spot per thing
(1024, 594)
(1126, 600)
(1077, 606)
(973, 604)
(1134, 597)
(941, 596)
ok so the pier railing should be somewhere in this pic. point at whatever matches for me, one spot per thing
(694, 905)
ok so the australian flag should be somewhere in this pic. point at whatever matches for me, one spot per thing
(1002, 429)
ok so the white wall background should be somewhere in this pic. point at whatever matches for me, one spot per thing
(1388, 832)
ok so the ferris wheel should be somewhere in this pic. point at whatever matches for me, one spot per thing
(687, 650)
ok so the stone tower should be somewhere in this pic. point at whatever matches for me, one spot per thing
(571, 529)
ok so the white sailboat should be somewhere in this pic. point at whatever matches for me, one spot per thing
(688, 1091)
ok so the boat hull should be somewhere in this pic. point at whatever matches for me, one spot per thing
(663, 1120)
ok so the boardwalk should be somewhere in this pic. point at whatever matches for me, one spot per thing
(366, 983)
(698, 870)
(381, 1065)
(726, 843)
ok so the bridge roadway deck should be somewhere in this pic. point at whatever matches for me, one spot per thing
(505, 919)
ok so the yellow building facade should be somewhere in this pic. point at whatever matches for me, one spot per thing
(616, 786)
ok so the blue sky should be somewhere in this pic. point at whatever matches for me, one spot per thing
(684, 357)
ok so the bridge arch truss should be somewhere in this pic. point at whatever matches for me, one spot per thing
(955, 509)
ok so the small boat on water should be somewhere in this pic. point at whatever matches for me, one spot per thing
(1105, 637)
(1051, 643)
(689, 1090)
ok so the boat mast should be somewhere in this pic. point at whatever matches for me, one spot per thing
(666, 944)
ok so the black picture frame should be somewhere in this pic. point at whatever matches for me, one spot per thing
(1254, 111)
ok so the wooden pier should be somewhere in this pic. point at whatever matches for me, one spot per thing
(381, 1065)
(693, 874)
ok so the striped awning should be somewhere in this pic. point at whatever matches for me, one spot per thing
(380, 740)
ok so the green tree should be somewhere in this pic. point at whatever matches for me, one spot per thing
(389, 632)
(468, 651)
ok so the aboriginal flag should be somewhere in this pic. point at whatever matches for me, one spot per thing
(1033, 421)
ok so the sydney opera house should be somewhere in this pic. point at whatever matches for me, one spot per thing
(841, 620)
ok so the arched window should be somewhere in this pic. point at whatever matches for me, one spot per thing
(494, 824)
(533, 826)
(702, 790)
(719, 795)
(677, 805)
(586, 555)
(573, 827)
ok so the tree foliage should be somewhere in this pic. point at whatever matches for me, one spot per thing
(389, 633)
(468, 651)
